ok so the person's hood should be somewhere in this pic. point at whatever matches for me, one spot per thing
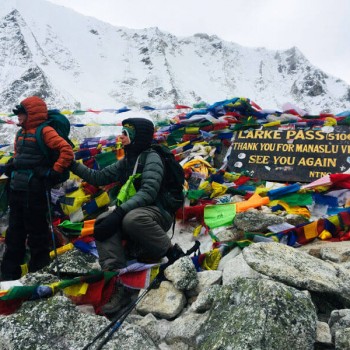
(36, 111)
(144, 130)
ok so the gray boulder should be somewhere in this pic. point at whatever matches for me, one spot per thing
(228, 257)
(73, 262)
(182, 274)
(298, 269)
(206, 279)
(342, 339)
(254, 220)
(339, 319)
(165, 302)
(259, 314)
(157, 329)
(237, 267)
(56, 323)
(338, 252)
(323, 334)
(205, 299)
(186, 328)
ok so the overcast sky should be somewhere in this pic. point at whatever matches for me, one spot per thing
(319, 28)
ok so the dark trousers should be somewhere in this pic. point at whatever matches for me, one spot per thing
(27, 225)
(146, 227)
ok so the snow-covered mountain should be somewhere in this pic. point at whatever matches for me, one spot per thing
(74, 61)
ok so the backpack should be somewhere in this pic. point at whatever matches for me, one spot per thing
(172, 197)
(61, 124)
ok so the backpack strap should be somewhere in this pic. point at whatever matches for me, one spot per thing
(40, 139)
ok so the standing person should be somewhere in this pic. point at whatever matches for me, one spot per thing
(30, 176)
(141, 219)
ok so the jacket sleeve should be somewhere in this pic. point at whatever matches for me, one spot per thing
(57, 143)
(151, 178)
(106, 176)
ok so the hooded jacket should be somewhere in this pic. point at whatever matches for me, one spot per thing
(27, 153)
(151, 168)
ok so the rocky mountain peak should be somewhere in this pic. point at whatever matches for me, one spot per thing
(83, 61)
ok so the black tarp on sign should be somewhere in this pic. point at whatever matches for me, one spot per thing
(291, 154)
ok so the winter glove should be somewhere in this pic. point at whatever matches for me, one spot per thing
(54, 176)
(107, 226)
(9, 168)
(73, 165)
(102, 217)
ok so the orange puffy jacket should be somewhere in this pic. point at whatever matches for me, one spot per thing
(36, 111)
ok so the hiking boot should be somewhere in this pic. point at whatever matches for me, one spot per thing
(174, 253)
(4, 277)
(121, 297)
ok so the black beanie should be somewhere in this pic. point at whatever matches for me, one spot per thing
(144, 130)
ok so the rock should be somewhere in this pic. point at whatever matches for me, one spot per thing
(338, 252)
(38, 278)
(295, 220)
(182, 274)
(155, 328)
(226, 258)
(339, 319)
(73, 262)
(176, 346)
(165, 302)
(298, 269)
(205, 299)
(228, 234)
(335, 254)
(206, 278)
(254, 220)
(56, 323)
(86, 309)
(323, 334)
(259, 314)
(237, 267)
(186, 328)
(342, 339)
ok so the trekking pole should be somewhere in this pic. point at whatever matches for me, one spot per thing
(52, 233)
(117, 323)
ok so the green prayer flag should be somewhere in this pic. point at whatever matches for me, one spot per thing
(195, 194)
(74, 226)
(219, 214)
(297, 199)
(78, 112)
(19, 292)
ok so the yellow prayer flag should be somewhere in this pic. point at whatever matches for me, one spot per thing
(76, 290)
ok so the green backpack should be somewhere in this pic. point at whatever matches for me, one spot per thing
(61, 124)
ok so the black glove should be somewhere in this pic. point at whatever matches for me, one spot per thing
(9, 168)
(102, 217)
(54, 176)
(73, 165)
(109, 225)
